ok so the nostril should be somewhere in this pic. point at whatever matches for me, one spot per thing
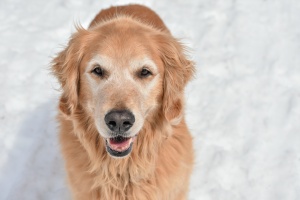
(127, 124)
(112, 123)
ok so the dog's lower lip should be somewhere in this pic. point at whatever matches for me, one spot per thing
(119, 146)
(119, 143)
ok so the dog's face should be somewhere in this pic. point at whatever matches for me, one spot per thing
(121, 84)
(123, 74)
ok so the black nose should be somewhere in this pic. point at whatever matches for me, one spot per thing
(119, 120)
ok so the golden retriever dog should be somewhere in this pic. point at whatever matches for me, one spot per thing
(122, 128)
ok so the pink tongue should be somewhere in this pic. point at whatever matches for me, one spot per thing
(119, 146)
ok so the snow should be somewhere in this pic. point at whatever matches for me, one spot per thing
(243, 107)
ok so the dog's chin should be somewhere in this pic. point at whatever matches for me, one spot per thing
(119, 146)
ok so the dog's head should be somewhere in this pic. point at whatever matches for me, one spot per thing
(122, 74)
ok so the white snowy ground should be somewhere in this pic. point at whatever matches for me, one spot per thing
(243, 107)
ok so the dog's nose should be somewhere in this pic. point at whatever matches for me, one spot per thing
(119, 120)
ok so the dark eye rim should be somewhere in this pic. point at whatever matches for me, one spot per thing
(145, 72)
(98, 71)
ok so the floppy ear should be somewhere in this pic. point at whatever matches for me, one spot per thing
(178, 71)
(65, 67)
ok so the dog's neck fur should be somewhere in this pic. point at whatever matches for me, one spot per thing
(120, 173)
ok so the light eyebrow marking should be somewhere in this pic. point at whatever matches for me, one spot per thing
(144, 62)
(104, 61)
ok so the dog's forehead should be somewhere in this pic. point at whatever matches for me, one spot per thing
(117, 38)
(123, 54)
(124, 51)
(123, 46)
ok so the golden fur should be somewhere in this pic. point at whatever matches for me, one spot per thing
(160, 164)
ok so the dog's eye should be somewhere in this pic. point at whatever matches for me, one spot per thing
(145, 73)
(98, 71)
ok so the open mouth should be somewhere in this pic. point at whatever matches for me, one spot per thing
(119, 146)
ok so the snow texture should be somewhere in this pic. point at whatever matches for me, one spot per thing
(243, 107)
